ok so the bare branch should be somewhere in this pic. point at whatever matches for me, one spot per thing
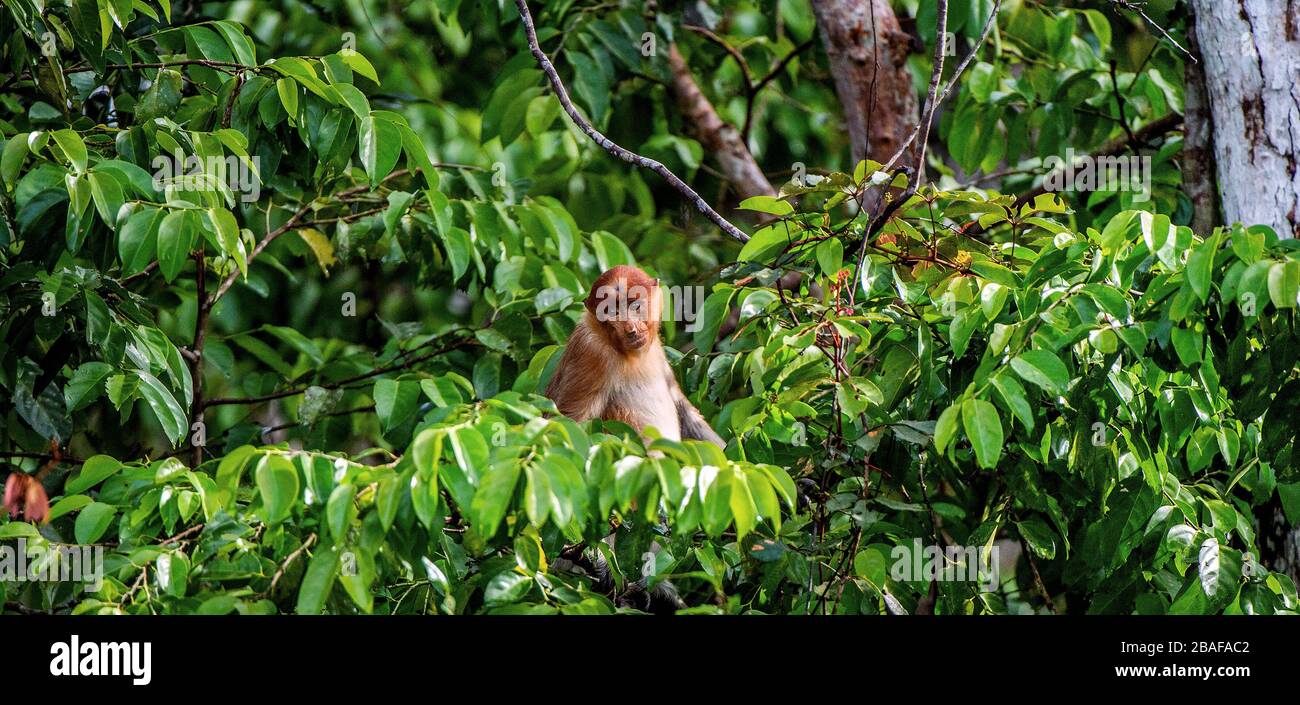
(733, 51)
(1129, 5)
(607, 144)
(952, 81)
(1149, 131)
(344, 382)
(716, 135)
(932, 100)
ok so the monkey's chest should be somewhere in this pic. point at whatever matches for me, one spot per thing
(641, 403)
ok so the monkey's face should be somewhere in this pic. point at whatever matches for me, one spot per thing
(626, 303)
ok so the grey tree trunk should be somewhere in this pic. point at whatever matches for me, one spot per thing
(1250, 51)
(1251, 54)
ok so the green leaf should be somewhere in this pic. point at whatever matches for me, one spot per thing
(395, 402)
(277, 484)
(137, 240)
(85, 385)
(93, 521)
(172, 572)
(1200, 266)
(537, 494)
(459, 248)
(715, 310)
(945, 429)
(1039, 536)
(768, 204)
(590, 85)
(1043, 369)
(340, 510)
(95, 470)
(767, 242)
(1013, 395)
(165, 407)
(70, 503)
(107, 193)
(18, 529)
(506, 587)
(984, 429)
(1289, 494)
(380, 145)
(287, 89)
(541, 113)
(360, 64)
(1209, 569)
(11, 160)
(176, 238)
(492, 499)
(743, 508)
(318, 581)
(1284, 283)
(73, 147)
(830, 256)
(163, 97)
(355, 100)
(231, 468)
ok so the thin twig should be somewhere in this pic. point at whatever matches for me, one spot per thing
(609, 145)
(295, 424)
(734, 52)
(229, 66)
(341, 383)
(952, 81)
(193, 529)
(932, 100)
(1038, 578)
(1128, 5)
(1119, 102)
(757, 87)
(275, 579)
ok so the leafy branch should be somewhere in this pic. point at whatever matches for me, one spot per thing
(609, 145)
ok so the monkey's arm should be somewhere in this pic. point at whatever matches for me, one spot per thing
(575, 386)
(691, 423)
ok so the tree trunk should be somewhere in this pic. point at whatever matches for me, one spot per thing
(1251, 49)
(1198, 144)
(868, 60)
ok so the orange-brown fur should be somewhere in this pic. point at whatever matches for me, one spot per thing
(614, 365)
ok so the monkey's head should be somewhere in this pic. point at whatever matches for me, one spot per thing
(626, 304)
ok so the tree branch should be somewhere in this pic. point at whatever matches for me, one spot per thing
(609, 145)
(733, 51)
(1114, 146)
(932, 100)
(343, 382)
(715, 134)
(867, 53)
(196, 349)
(1127, 5)
(952, 82)
(1198, 143)
(756, 87)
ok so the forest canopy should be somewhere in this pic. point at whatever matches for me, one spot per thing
(283, 284)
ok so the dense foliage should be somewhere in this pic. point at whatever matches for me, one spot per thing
(303, 373)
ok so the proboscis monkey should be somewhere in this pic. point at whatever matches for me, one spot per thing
(614, 365)
(614, 368)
